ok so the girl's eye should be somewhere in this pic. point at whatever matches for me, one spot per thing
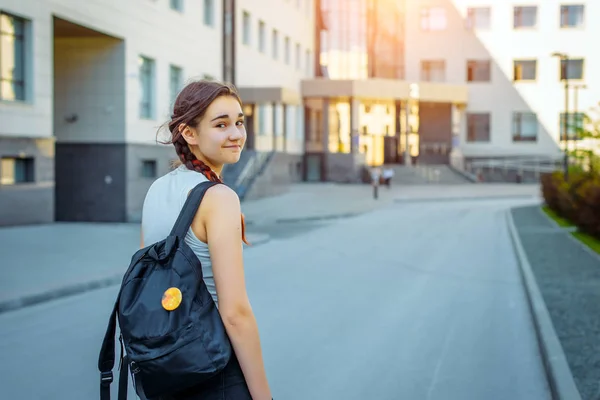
(240, 123)
(220, 125)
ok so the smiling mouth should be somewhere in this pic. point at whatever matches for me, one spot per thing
(236, 146)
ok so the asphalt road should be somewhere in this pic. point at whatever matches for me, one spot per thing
(418, 301)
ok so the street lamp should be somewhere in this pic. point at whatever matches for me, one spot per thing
(565, 75)
(575, 108)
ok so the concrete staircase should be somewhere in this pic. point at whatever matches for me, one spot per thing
(427, 174)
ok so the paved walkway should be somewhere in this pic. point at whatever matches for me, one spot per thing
(568, 275)
(49, 261)
(412, 301)
(324, 201)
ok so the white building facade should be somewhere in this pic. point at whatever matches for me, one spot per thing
(84, 87)
(503, 52)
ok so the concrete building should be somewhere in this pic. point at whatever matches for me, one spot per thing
(84, 87)
(502, 51)
(361, 108)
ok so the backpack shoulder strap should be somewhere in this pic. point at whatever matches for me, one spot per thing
(106, 361)
(186, 216)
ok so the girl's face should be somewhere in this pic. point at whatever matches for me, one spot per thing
(219, 137)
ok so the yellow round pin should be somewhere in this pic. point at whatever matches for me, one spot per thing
(171, 299)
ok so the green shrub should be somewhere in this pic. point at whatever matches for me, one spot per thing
(577, 200)
(588, 207)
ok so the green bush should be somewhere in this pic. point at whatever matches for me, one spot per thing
(550, 185)
(588, 213)
(577, 199)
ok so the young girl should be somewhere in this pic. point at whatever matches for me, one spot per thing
(207, 130)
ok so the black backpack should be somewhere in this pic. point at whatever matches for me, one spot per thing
(166, 351)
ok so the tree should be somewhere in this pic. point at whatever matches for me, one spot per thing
(587, 157)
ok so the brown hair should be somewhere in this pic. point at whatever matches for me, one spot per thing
(189, 108)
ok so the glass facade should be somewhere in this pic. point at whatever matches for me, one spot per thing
(357, 39)
(361, 39)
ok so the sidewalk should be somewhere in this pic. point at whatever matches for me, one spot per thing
(323, 201)
(568, 276)
(40, 263)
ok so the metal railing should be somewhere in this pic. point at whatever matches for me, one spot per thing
(253, 168)
(535, 165)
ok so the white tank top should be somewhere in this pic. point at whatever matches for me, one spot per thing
(162, 205)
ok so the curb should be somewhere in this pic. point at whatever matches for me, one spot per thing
(82, 287)
(470, 198)
(558, 373)
(54, 294)
(257, 239)
(318, 217)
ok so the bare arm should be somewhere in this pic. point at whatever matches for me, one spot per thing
(219, 221)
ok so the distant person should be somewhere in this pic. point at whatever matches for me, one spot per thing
(207, 130)
(387, 175)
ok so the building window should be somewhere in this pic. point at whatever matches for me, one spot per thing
(12, 57)
(572, 69)
(146, 73)
(287, 50)
(575, 124)
(478, 18)
(571, 16)
(148, 169)
(175, 81)
(525, 17)
(275, 44)
(525, 127)
(298, 56)
(16, 170)
(478, 127)
(209, 12)
(478, 71)
(433, 70)
(246, 29)
(524, 70)
(262, 42)
(176, 5)
(433, 19)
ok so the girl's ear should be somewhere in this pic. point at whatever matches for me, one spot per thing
(188, 133)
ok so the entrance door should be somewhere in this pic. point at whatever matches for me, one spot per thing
(313, 167)
(390, 153)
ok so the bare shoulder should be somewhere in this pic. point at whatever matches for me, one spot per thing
(222, 197)
(220, 209)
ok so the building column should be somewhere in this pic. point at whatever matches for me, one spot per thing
(285, 126)
(250, 111)
(398, 128)
(274, 124)
(354, 122)
(406, 132)
(325, 139)
(459, 127)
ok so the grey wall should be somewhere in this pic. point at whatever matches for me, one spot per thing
(29, 203)
(137, 185)
(90, 182)
(89, 83)
(283, 170)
